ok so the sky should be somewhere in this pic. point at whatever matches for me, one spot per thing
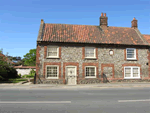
(20, 19)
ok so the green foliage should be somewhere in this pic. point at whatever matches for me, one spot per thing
(30, 58)
(32, 72)
(28, 76)
(6, 70)
(16, 80)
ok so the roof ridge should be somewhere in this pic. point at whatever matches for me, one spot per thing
(141, 36)
(145, 34)
(70, 24)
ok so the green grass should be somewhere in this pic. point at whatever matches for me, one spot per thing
(28, 76)
(17, 80)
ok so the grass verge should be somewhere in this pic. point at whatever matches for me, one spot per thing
(15, 80)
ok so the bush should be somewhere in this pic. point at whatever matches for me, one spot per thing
(32, 72)
(27, 76)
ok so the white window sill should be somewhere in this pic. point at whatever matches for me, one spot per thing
(90, 77)
(90, 57)
(131, 59)
(52, 78)
(52, 57)
(133, 78)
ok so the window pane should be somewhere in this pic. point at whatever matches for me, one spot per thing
(90, 71)
(52, 53)
(130, 53)
(51, 71)
(89, 52)
(135, 72)
(52, 49)
(127, 72)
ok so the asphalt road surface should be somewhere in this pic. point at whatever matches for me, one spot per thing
(116, 100)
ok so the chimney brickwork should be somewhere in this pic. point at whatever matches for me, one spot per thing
(103, 20)
(134, 23)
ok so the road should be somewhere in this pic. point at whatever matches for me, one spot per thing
(83, 100)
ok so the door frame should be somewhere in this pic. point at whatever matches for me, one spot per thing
(75, 72)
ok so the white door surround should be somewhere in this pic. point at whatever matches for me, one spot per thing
(71, 75)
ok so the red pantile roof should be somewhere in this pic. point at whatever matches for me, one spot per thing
(5, 58)
(147, 38)
(91, 34)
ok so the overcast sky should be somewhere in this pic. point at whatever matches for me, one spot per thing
(20, 19)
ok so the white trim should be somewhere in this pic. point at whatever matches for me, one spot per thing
(53, 56)
(134, 54)
(57, 72)
(90, 76)
(71, 66)
(131, 67)
(94, 53)
(75, 72)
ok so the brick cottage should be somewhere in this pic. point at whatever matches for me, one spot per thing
(87, 54)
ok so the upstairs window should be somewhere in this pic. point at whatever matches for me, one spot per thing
(131, 53)
(52, 51)
(90, 52)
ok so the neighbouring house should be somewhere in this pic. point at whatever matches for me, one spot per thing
(6, 59)
(24, 70)
(87, 54)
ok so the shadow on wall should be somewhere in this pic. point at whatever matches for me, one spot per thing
(105, 80)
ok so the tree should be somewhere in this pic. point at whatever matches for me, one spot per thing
(6, 69)
(18, 60)
(30, 58)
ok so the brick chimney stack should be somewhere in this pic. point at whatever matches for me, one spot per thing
(134, 23)
(42, 21)
(103, 20)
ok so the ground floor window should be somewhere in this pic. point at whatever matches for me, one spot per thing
(90, 71)
(52, 71)
(131, 72)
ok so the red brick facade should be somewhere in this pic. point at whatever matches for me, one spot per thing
(148, 57)
(37, 60)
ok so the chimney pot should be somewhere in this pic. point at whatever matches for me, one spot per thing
(105, 14)
(42, 21)
(103, 20)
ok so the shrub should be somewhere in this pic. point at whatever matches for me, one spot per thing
(32, 72)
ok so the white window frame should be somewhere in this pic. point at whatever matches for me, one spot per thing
(132, 72)
(57, 72)
(90, 76)
(94, 52)
(134, 54)
(53, 56)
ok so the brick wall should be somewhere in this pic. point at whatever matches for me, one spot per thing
(74, 53)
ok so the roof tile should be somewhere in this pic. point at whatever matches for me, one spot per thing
(90, 34)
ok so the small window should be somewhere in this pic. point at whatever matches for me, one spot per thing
(52, 71)
(90, 72)
(131, 72)
(131, 53)
(90, 52)
(52, 51)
